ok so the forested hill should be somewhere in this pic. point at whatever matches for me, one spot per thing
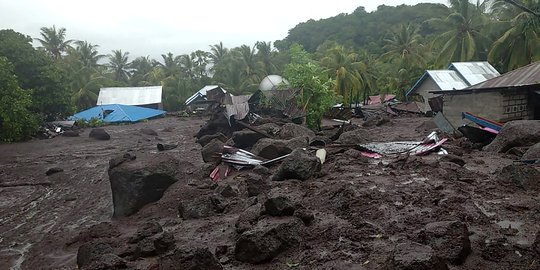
(361, 29)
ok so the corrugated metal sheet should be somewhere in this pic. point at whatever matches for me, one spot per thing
(527, 75)
(202, 93)
(474, 72)
(114, 113)
(130, 95)
(447, 79)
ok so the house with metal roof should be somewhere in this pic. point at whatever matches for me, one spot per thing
(458, 76)
(512, 96)
(148, 96)
(202, 98)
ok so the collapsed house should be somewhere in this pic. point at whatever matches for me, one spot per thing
(117, 113)
(458, 76)
(512, 96)
(202, 99)
(147, 96)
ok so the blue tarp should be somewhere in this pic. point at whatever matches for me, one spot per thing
(115, 113)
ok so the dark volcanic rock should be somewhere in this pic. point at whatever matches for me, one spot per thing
(145, 248)
(99, 134)
(355, 137)
(212, 151)
(273, 148)
(148, 229)
(267, 240)
(536, 244)
(279, 206)
(532, 153)
(290, 131)
(53, 171)
(100, 230)
(377, 120)
(91, 251)
(248, 218)
(226, 191)
(246, 138)
(164, 242)
(454, 159)
(261, 170)
(516, 133)
(148, 131)
(495, 249)
(299, 165)
(139, 182)
(450, 239)
(415, 256)
(305, 215)
(189, 258)
(524, 176)
(196, 208)
(256, 185)
(107, 261)
(204, 140)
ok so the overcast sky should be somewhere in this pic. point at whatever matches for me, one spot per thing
(153, 27)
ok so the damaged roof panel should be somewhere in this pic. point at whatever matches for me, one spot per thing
(447, 79)
(475, 72)
(527, 75)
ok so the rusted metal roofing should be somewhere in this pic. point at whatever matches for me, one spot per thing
(527, 75)
(474, 72)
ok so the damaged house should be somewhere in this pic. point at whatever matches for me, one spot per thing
(458, 76)
(512, 96)
(202, 99)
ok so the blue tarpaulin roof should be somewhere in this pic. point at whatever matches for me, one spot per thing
(114, 113)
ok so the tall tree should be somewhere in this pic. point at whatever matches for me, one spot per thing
(404, 47)
(464, 41)
(54, 41)
(520, 44)
(265, 54)
(86, 54)
(140, 69)
(217, 53)
(119, 65)
(343, 65)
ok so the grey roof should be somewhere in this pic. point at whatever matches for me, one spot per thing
(527, 75)
(475, 72)
(447, 79)
(130, 95)
(202, 93)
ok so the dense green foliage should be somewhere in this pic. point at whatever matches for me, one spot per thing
(16, 121)
(354, 55)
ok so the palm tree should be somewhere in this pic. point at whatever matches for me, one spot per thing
(344, 66)
(86, 54)
(86, 82)
(464, 41)
(265, 55)
(217, 52)
(170, 64)
(140, 68)
(520, 44)
(404, 46)
(54, 41)
(119, 65)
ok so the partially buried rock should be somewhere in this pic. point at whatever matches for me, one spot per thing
(248, 218)
(226, 191)
(290, 131)
(450, 239)
(454, 159)
(261, 170)
(524, 176)
(377, 120)
(355, 137)
(212, 151)
(246, 138)
(107, 261)
(273, 148)
(91, 251)
(190, 258)
(415, 256)
(99, 134)
(148, 131)
(70, 133)
(301, 165)
(204, 140)
(256, 185)
(53, 170)
(279, 206)
(515, 134)
(148, 229)
(196, 208)
(533, 153)
(139, 182)
(268, 239)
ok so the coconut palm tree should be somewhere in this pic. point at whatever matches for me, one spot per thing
(344, 66)
(86, 54)
(520, 44)
(217, 52)
(119, 65)
(140, 68)
(54, 40)
(404, 46)
(464, 41)
(265, 54)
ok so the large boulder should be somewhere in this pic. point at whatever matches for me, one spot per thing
(415, 256)
(99, 134)
(450, 239)
(355, 137)
(279, 205)
(524, 176)
(189, 258)
(211, 152)
(301, 165)
(290, 131)
(532, 153)
(91, 251)
(248, 218)
(267, 239)
(246, 138)
(273, 148)
(137, 182)
(515, 134)
(256, 185)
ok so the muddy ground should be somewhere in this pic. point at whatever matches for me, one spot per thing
(363, 208)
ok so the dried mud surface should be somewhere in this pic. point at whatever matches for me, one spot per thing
(362, 207)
